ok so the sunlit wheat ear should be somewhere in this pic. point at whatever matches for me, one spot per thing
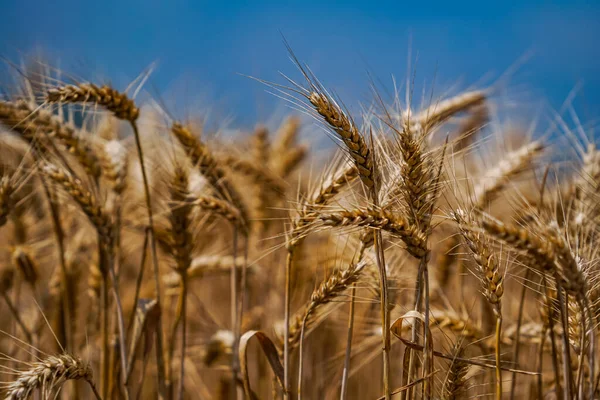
(32, 122)
(84, 198)
(377, 219)
(495, 179)
(319, 103)
(257, 172)
(347, 131)
(17, 117)
(441, 111)
(549, 251)
(115, 162)
(333, 185)
(49, 375)
(575, 326)
(487, 262)
(286, 155)
(209, 167)
(468, 129)
(221, 208)
(114, 101)
(286, 137)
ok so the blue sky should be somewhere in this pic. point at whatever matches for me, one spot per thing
(201, 48)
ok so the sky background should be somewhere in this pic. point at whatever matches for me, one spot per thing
(202, 48)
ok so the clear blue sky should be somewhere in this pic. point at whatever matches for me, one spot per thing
(201, 47)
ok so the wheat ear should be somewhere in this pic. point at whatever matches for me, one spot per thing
(209, 167)
(493, 283)
(114, 101)
(441, 111)
(382, 220)
(511, 165)
(31, 123)
(49, 374)
(347, 131)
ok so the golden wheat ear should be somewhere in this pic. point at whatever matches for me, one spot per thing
(48, 375)
(114, 101)
(208, 166)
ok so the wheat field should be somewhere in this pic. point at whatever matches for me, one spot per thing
(437, 252)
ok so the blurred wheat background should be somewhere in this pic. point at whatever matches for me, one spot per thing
(225, 201)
